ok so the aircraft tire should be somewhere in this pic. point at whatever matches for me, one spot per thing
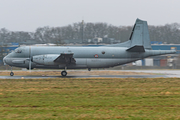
(11, 74)
(63, 73)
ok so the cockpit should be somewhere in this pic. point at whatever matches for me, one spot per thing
(18, 50)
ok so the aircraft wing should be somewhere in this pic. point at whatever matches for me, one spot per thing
(65, 58)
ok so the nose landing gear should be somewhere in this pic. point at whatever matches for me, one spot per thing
(11, 73)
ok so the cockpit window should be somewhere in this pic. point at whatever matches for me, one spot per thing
(18, 51)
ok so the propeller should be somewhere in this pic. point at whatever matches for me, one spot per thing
(29, 64)
(30, 59)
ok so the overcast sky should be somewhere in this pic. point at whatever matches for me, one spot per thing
(27, 15)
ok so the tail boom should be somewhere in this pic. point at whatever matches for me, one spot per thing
(159, 52)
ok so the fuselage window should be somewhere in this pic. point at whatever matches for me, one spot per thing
(103, 52)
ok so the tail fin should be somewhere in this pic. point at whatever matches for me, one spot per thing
(140, 35)
(139, 39)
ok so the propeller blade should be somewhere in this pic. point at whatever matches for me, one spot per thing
(30, 65)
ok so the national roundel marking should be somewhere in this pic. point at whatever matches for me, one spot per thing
(96, 56)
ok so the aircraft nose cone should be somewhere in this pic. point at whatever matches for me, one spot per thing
(4, 60)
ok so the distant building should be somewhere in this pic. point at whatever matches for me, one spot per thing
(156, 42)
(97, 40)
(167, 47)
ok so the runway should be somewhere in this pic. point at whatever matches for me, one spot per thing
(158, 73)
(166, 73)
(91, 76)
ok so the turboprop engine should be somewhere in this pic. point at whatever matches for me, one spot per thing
(47, 59)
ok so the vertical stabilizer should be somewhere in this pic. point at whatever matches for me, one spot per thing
(140, 35)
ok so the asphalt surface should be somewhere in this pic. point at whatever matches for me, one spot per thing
(92, 76)
(160, 73)
(167, 73)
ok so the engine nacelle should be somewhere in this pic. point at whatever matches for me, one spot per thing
(47, 59)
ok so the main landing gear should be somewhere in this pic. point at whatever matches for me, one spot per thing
(64, 73)
(11, 73)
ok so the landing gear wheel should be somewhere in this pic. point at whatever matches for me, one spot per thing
(63, 73)
(11, 73)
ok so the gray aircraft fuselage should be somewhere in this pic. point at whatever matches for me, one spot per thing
(86, 57)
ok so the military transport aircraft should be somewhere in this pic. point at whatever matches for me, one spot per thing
(50, 57)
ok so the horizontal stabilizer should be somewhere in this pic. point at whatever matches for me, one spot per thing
(136, 48)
